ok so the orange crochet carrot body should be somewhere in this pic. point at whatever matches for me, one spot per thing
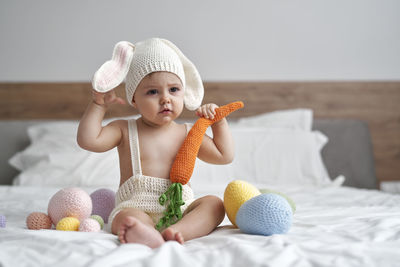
(182, 167)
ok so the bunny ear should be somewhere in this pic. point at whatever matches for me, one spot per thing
(113, 72)
(194, 90)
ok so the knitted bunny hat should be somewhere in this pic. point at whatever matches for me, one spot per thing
(135, 61)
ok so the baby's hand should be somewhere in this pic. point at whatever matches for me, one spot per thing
(207, 111)
(106, 98)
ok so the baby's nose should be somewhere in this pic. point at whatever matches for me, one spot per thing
(165, 99)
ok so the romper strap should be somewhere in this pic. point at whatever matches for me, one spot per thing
(188, 127)
(134, 146)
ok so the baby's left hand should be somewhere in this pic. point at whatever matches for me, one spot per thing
(207, 111)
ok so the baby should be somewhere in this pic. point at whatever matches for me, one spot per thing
(160, 80)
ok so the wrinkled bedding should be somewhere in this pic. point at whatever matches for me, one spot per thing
(333, 226)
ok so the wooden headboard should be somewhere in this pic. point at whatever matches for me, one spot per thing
(377, 103)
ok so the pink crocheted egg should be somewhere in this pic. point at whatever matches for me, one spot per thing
(89, 225)
(38, 220)
(99, 219)
(70, 202)
(103, 202)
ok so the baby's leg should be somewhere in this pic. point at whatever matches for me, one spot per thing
(200, 219)
(134, 226)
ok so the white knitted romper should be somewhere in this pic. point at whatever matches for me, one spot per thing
(141, 191)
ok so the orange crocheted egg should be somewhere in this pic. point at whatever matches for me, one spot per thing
(38, 220)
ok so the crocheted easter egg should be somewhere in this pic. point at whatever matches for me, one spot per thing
(98, 219)
(266, 214)
(291, 202)
(69, 202)
(237, 193)
(68, 224)
(2, 221)
(103, 202)
(89, 225)
(38, 220)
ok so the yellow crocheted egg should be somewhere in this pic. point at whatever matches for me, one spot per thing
(236, 193)
(68, 224)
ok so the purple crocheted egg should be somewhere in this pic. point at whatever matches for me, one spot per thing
(103, 202)
(38, 220)
(89, 225)
(70, 202)
(2, 221)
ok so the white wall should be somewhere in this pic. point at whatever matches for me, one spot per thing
(49, 40)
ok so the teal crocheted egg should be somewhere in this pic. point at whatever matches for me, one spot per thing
(266, 214)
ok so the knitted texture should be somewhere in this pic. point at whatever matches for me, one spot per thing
(135, 61)
(183, 165)
(3, 221)
(237, 193)
(266, 214)
(288, 199)
(143, 192)
(99, 219)
(103, 202)
(114, 71)
(38, 220)
(68, 224)
(89, 225)
(69, 202)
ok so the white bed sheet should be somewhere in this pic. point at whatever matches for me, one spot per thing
(333, 226)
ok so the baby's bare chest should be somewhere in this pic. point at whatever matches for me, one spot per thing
(158, 153)
(159, 150)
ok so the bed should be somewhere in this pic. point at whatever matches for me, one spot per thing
(327, 145)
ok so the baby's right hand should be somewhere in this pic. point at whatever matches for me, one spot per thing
(207, 111)
(106, 98)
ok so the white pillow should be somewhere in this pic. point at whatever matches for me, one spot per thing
(46, 139)
(54, 159)
(73, 169)
(270, 156)
(289, 119)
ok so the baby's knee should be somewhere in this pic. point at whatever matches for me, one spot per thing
(217, 206)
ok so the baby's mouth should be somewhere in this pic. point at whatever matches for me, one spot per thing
(165, 111)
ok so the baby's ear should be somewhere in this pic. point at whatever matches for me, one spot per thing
(133, 102)
(113, 72)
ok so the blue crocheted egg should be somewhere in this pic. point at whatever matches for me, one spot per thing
(266, 214)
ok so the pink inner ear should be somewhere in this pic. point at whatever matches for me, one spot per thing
(113, 72)
(122, 53)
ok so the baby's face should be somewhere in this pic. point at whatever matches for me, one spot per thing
(159, 97)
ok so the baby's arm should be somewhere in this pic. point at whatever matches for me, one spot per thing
(220, 148)
(92, 135)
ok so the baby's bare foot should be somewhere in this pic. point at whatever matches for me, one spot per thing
(171, 234)
(134, 231)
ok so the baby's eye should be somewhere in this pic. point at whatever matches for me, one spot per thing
(174, 89)
(152, 92)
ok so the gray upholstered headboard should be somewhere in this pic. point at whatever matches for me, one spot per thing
(13, 138)
(348, 152)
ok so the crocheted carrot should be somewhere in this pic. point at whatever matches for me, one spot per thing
(183, 165)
